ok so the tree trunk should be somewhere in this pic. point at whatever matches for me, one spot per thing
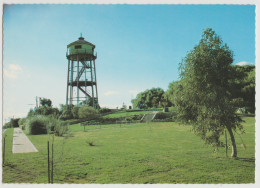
(233, 142)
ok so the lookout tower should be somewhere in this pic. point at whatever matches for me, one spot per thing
(81, 80)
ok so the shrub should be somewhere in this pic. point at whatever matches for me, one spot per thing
(21, 123)
(165, 116)
(87, 112)
(66, 114)
(75, 111)
(57, 127)
(104, 110)
(7, 125)
(45, 124)
(37, 125)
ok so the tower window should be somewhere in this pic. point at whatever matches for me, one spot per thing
(77, 46)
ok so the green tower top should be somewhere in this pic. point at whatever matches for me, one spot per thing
(81, 46)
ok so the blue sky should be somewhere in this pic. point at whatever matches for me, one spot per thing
(138, 47)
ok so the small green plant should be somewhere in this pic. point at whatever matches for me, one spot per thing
(90, 142)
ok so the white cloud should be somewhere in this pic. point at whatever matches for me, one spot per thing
(12, 71)
(243, 63)
(108, 93)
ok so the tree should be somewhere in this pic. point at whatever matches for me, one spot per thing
(205, 100)
(150, 98)
(14, 122)
(172, 92)
(243, 87)
(45, 102)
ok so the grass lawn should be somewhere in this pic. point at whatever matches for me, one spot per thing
(132, 153)
(124, 113)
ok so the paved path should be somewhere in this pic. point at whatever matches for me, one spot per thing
(21, 143)
(149, 117)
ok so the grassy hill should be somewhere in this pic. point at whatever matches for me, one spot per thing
(132, 153)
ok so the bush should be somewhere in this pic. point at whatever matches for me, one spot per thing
(168, 116)
(87, 113)
(104, 110)
(66, 114)
(57, 127)
(45, 124)
(75, 111)
(21, 123)
(37, 125)
(7, 125)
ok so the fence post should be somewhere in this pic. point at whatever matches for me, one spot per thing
(52, 165)
(48, 162)
(226, 141)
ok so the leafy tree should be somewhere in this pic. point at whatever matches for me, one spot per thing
(150, 98)
(205, 100)
(87, 113)
(45, 102)
(243, 87)
(14, 122)
(172, 92)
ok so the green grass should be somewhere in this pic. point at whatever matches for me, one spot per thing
(132, 153)
(124, 113)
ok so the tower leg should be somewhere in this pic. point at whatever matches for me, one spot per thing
(96, 83)
(68, 84)
(77, 80)
(71, 80)
(91, 72)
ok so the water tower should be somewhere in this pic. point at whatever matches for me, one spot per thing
(81, 80)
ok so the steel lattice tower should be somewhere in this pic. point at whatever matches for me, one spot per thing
(81, 79)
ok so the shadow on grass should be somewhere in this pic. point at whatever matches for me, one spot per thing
(251, 159)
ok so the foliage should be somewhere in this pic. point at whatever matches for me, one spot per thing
(165, 116)
(242, 87)
(66, 112)
(205, 100)
(75, 111)
(104, 110)
(21, 123)
(150, 98)
(45, 102)
(43, 110)
(41, 124)
(87, 113)
(14, 122)
(37, 125)
(173, 91)
(59, 128)
(7, 125)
